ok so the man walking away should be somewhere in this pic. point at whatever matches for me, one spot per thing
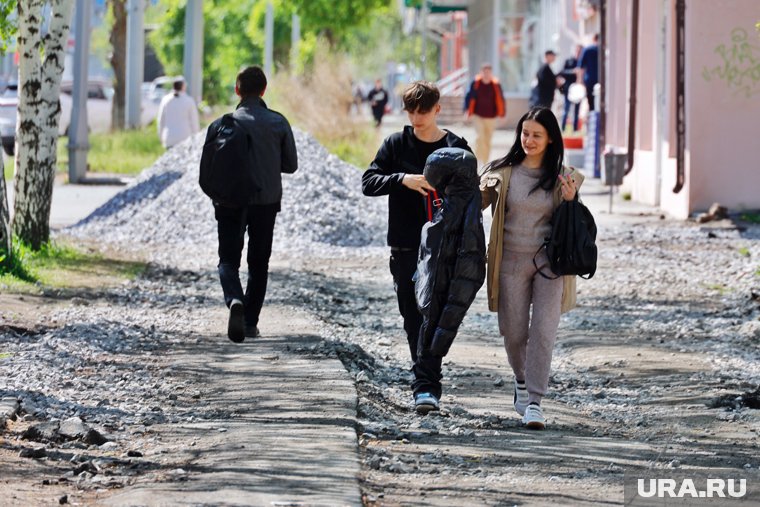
(273, 152)
(588, 69)
(378, 99)
(177, 116)
(569, 76)
(484, 102)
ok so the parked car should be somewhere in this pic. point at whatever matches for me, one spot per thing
(99, 100)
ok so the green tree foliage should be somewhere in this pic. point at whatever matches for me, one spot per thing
(7, 24)
(234, 35)
(226, 44)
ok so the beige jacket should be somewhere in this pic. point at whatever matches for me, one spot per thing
(493, 189)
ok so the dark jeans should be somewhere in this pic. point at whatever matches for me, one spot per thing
(427, 368)
(566, 113)
(231, 226)
(590, 96)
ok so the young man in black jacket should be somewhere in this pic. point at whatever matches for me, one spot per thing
(273, 152)
(396, 172)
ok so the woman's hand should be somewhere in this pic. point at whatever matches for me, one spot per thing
(568, 187)
(417, 182)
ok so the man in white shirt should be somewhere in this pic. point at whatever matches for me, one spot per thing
(177, 116)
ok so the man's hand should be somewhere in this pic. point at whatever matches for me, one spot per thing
(417, 182)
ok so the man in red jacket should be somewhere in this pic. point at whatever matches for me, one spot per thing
(484, 103)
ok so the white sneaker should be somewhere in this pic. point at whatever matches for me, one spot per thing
(521, 397)
(534, 418)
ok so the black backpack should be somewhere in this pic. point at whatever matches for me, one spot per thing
(571, 247)
(226, 173)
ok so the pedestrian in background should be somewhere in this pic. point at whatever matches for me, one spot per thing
(588, 69)
(569, 76)
(378, 99)
(546, 83)
(273, 152)
(484, 103)
(523, 189)
(396, 172)
(177, 116)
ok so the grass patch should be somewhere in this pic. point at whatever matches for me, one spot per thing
(4, 355)
(59, 265)
(744, 251)
(124, 152)
(753, 218)
(8, 168)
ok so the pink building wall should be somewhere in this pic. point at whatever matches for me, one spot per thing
(722, 158)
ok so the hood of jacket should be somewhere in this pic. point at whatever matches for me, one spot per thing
(452, 171)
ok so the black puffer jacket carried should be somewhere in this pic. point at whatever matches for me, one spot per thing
(452, 258)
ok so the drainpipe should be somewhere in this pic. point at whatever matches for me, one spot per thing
(634, 76)
(680, 94)
(602, 72)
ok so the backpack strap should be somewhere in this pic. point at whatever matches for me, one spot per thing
(538, 270)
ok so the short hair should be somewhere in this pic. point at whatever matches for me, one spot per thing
(421, 96)
(486, 65)
(549, 52)
(178, 84)
(251, 81)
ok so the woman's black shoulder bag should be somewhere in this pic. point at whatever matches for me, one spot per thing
(571, 246)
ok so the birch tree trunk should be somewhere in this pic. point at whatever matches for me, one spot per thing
(39, 111)
(5, 229)
(119, 62)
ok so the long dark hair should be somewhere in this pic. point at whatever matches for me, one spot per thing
(551, 165)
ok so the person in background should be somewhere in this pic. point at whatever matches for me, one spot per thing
(177, 116)
(546, 83)
(588, 69)
(396, 172)
(484, 103)
(378, 99)
(569, 76)
(523, 189)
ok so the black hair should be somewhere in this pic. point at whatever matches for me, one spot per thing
(421, 96)
(251, 82)
(551, 165)
(178, 84)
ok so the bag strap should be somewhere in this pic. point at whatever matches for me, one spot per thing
(433, 201)
(538, 270)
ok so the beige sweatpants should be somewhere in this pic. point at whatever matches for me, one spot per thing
(484, 128)
(529, 336)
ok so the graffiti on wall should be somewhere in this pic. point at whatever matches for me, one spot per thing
(739, 66)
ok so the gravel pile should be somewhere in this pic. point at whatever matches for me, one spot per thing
(323, 209)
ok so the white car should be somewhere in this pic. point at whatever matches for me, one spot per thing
(99, 100)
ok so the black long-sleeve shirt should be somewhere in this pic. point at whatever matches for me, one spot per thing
(402, 153)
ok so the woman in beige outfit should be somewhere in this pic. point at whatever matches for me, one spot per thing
(523, 189)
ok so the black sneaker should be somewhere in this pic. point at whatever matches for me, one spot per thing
(252, 331)
(236, 323)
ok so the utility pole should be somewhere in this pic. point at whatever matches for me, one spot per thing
(268, 40)
(135, 62)
(423, 33)
(78, 136)
(193, 56)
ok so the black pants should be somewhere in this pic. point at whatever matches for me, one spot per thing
(590, 96)
(427, 368)
(231, 226)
